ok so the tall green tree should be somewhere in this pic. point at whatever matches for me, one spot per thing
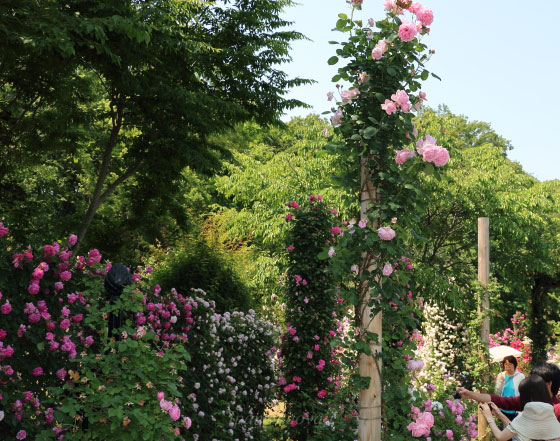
(524, 223)
(155, 78)
(271, 166)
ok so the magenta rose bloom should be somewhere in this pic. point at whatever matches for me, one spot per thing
(33, 288)
(6, 308)
(175, 413)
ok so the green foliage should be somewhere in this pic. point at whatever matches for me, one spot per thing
(307, 357)
(117, 392)
(132, 91)
(196, 263)
(270, 166)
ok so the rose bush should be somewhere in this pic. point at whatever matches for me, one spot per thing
(310, 365)
(63, 377)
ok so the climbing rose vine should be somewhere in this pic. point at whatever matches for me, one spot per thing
(384, 64)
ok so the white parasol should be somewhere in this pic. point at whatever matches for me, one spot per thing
(497, 353)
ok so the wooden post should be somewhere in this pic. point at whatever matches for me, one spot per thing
(484, 275)
(484, 303)
(369, 427)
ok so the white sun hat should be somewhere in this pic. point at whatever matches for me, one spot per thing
(537, 421)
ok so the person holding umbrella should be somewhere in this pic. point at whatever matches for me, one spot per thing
(507, 382)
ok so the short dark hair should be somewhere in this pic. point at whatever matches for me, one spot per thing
(549, 372)
(533, 388)
(511, 359)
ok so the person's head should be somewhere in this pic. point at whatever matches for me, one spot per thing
(551, 350)
(534, 388)
(550, 373)
(509, 364)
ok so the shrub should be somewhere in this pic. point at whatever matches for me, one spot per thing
(196, 264)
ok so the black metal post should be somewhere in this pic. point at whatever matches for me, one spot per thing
(116, 279)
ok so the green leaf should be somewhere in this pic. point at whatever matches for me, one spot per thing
(333, 42)
(336, 78)
(380, 97)
(332, 60)
(370, 132)
(435, 76)
(429, 168)
(341, 24)
(356, 137)
(391, 71)
(424, 75)
(342, 15)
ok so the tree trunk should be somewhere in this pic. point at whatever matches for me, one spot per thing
(102, 176)
(369, 428)
(539, 331)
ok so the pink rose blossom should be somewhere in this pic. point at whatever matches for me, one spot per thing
(415, 7)
(430, 152)
(400, 97)
(386, 233)
(322, 393)
(61, 374)
(377, 53)
(6, 308)
(22, 434)
(175, 413)
(403, 155)
(387, 270)
(187, 422)
(65, 276)
(166, 405)
(407, 31)
(38, 371)
(330, 96)
(33, 288)
(389, 107)
(442, 157)
(336, 119)
(425, 15)
(421, 427)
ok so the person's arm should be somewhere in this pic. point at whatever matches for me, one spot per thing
(500, 435)
(499, 387)
(481, 398)
(499, 414)
(557, 411)
(506, 403)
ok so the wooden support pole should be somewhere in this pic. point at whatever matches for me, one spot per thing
(484, 303)
(369, 427)
(484, 275)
